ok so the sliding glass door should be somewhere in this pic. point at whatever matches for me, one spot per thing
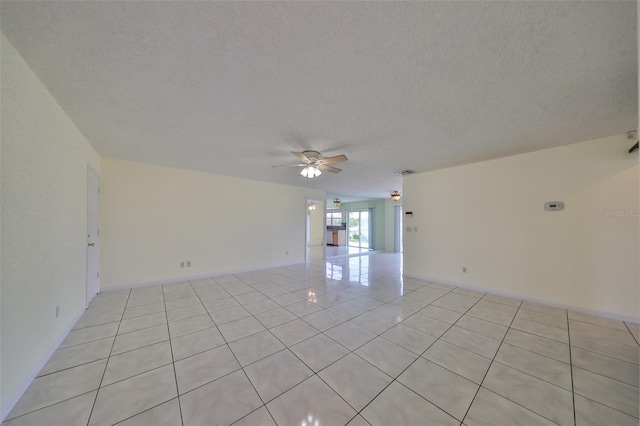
(360, 229)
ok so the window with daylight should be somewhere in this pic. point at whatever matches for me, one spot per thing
(334, 218)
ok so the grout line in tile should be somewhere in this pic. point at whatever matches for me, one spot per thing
(513, 402)
(603, 327)
(88, 341)
(140, 329)
(538, 336)
(606, 377)
(539, 312)
(93, 406)
(71, 367)
(534, 352)
(93, 325)
(513, 369)
(490, 364)
(483, 319)
(234, 356)
(7, 419)
(173, 361)
(139, 347)
(139, 316)
(543, 323)
(135, 375)
(335, 286)
(632, 335)
(294, 354)
(142, 304)
(573, 391)
(342, 357)
(430, 402)
(395, 379)
(603, 353)
(148, 409)
(505, 304)
(602, 375)
(209, 382)
(530, 375)
(421, 356)
(250, 413)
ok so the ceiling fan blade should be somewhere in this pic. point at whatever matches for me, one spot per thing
(331, 169)
(334, 159)
(302, 157)
(291, 165)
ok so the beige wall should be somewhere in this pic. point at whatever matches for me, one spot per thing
(44, 222)
(153, 218)
(489, 217)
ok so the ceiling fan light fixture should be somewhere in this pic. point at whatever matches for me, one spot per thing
(395, 195)
(314, 165)
(312, 206)
(310, 172)
(336, 202)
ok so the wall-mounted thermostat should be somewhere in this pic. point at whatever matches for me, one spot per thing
(554, 205)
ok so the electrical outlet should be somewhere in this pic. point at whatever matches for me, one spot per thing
(182, 264)
(464, 269)
(188, 264)
(57, 311)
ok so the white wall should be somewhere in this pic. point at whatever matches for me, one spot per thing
(489, 217)
(44, 222)
(152, 218)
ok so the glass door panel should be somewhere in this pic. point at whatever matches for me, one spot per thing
(359, 229)
(364, 229)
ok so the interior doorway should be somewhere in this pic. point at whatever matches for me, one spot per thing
(93, 234)
(315, 230)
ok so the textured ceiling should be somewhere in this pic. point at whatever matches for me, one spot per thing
(233, 87)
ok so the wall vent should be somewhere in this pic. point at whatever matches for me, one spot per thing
(405, 172)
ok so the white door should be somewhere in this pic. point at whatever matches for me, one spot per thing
(93, 234)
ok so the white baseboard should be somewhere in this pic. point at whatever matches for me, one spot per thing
(609, 315)
(195, 277)
(17, 394)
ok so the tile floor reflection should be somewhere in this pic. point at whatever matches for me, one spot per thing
(347, 341)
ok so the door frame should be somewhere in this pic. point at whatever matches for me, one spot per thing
(307, 227)
(397, 228)
(370, 212)
(89, 295)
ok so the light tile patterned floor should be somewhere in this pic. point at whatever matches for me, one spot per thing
(348, 341)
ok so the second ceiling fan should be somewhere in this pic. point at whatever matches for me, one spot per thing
(314, 165)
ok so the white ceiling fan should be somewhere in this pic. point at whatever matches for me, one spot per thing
(314, 165)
